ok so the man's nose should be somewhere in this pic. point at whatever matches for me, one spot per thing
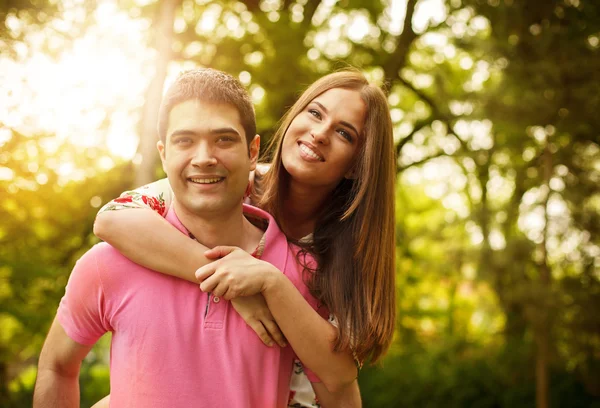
(204, 155)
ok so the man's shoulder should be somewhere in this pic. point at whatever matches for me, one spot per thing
(104, 254)
(103, 250)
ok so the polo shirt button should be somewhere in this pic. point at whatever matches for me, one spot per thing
(216, 299)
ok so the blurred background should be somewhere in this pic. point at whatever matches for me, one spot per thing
(496, 106)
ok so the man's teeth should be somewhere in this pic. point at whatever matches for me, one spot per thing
(309, 152)
(205, 181)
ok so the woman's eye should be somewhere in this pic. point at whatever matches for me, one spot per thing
(345, 135)
(315, 113)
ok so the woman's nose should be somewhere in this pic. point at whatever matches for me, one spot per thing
(319, 134)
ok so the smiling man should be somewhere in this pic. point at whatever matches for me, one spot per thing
(173, 345)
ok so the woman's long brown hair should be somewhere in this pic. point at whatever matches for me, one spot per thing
(354, 235)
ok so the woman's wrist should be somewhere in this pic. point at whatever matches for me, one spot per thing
(272, 280)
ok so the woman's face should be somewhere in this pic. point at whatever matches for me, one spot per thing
(322, 141)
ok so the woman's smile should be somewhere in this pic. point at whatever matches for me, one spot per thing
(310, 153)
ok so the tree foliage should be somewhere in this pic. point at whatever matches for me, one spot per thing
(498, 200)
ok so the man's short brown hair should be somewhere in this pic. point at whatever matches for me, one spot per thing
(208, 85)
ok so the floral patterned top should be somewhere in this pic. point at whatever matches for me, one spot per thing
(158, 197)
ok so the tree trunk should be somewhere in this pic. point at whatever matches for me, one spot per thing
(3, 382)
(542, 333)
(163, 24)
(541, 371)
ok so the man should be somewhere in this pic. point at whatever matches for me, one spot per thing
(173, 345)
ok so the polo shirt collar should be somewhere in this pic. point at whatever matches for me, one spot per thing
(276, 245)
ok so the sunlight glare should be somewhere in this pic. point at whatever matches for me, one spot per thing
(75, 95)
(428, 12)
(397, 14)
(358, 28)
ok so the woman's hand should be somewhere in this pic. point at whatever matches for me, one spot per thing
(253, 309)
(235, 274)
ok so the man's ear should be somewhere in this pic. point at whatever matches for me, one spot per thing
(161, 151)
(254, 151)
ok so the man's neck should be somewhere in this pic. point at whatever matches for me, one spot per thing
(229, 228)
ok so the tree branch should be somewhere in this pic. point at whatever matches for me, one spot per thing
(441, 153)
(251, 5)
(287, 4)
(397, 60)
(418, 126)
(310, 8)
(436, 112)
(466, 189)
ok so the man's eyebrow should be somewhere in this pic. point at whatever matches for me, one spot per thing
(182, 132)
(225, 130)
(218, 131)
(343, 122)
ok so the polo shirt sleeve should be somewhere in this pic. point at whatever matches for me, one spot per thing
(81, 310)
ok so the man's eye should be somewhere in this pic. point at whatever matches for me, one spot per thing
(315, 113)
(182, 140)
(226, 139)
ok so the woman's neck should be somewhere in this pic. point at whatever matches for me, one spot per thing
(301, 208)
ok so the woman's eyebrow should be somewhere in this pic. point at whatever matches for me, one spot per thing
(350, 126)
(321, 106)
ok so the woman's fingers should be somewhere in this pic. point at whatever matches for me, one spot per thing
(206, 271)
(262, 333)
(230, 293)
(219, 252)
(255, 312)
(210, 285)
(274, 331)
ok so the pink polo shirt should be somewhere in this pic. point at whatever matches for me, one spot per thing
(173, 345)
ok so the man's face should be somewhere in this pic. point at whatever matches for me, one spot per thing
(205, 156)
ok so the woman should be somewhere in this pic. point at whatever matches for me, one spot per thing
(331, 189)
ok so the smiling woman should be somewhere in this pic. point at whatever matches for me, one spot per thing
(320, 134)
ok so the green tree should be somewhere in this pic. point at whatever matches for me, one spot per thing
(495, 110)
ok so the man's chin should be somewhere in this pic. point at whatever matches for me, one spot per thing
(206, 207)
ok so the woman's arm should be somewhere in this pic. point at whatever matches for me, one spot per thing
(310, 335)
(134, 225)
(348, 397)
(151, 241)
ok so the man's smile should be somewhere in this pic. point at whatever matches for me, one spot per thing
(206, 180)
